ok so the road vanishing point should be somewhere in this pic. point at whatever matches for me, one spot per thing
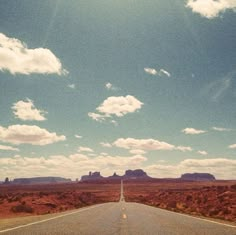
(122, 218)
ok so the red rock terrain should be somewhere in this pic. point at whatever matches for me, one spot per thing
(209, 199)
(215, 199)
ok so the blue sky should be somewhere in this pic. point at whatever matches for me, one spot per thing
(112, 85)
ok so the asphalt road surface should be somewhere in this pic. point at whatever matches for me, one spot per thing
(122, 218)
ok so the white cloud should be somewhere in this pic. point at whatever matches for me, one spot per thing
(232, 146)
(25, 134)
(97, 117)
(85, 149)
(106, 145)
(115, 123)
(222, 168)
(120, 105)
(76, 165)
(204, 153)
(162, 71)
(78, 136)
(117, 106)
(25, 110)
(72, 166)
(147, 145)
(137, 151)
(184, 148)
(220, 129)
(211, 8)
(154, 72)
(151, 71)
(8, 148)
(110, 86)
(15, 57)
(192, 131)
(72, 86)
(143, 144)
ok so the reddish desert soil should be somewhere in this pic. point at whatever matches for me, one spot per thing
(209, 199)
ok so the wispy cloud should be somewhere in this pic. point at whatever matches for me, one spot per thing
(211, 8)
(192, 131)
(8, 148)
(221, 129)
(154, 72)
(232, 146)
(78, 136)
(151, 71)
(85, 149)
(204, 153)
(106, 145)
(219, 88)
(71, 86)
(15, 57)
(25, 110)
(110, 86)
(147, 145)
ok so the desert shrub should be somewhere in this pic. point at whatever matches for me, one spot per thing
(22, 208)
(189, 198)
(233, 187)
(172, 204)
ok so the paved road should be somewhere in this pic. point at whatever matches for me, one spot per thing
(123, 218)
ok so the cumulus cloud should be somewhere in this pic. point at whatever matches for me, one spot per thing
(16, 57)
(203, 153)
(72, 166)
(85, 149)
(106, 145)
(211, 8)
(8, 148)
(147, 145)
(76, 165)
(192, 131)
(25, 110)
(232, 146)
(154, 72)
(116, 106)
(25, 134)
(222, 168)
(137, 151)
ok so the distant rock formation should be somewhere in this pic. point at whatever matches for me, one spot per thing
(92, 176)
(129, 174)
(198, 177)
(114, 177)
(40, 180)
(135, 174)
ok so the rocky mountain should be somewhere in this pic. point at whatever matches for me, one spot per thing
(136, 174)
(129, 174)
(92, 176)
(40, 180)
(198, 177)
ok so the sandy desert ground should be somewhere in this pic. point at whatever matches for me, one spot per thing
(209, 199)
